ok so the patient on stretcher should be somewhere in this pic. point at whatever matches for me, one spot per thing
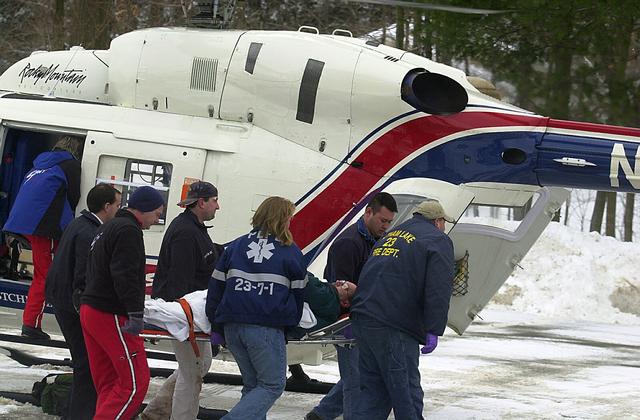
(324, 303)
(327, 302)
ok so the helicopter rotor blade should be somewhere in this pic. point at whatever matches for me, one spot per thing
(431, 6)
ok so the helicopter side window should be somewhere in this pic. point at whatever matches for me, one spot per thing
(499, 216)
(252, 56)
(145, 172)
(309, 90)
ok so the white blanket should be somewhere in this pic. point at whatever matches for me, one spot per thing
(171, 317)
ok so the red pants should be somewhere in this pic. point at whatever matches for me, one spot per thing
(118, 363)
(42, 249)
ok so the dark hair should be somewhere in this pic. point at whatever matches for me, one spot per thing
(195, 203)
(383, 199)
(100, 195)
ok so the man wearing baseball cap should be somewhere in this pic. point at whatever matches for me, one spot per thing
(113, 304)
(402, 300)
(185, 264)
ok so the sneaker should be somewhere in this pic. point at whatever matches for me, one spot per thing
(35, 333)
(311, 415)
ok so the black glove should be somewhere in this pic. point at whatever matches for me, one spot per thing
(215, 349)
(75, 299)
(134, 325)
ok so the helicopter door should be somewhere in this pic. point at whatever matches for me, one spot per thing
(408, 193)
(128, 163)
(487, 255)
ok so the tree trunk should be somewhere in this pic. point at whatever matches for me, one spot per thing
(58, 26)
(598, 212)
(628, 216)
(610, 224)
(567, 204)
(91, 24)
(400, 28)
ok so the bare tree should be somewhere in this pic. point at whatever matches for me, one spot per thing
(610, 223)
(629, 205)
(566, 209)
(598, 212)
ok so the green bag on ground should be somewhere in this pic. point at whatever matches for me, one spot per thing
(52, 392)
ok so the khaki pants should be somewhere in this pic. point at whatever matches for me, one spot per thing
(179, 396)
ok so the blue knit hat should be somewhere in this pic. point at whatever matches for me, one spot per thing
(145, 199)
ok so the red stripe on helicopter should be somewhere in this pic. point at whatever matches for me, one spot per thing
(595, 128)
(338, 197)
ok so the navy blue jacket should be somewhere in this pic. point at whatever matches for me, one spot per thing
(69, 267)
(257, 281)
(47, 197)
(408, 280)
(348, 253)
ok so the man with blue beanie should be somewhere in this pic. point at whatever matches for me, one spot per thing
(113, 304)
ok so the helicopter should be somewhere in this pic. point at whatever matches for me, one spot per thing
(326, 120)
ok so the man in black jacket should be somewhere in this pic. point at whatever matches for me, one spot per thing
(66, 281)
(185, 264)
(113, 305)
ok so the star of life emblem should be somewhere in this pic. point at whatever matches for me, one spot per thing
(260, 250)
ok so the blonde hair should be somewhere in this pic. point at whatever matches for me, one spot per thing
(272, 216)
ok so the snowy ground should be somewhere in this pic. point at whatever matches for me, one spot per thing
(561, 340)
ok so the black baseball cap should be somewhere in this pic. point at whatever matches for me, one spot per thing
(199, 189)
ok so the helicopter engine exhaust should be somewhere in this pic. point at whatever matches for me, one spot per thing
(433, 93)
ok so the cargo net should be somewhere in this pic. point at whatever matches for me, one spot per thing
(461, 279)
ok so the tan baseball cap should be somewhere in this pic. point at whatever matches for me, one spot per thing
(432, 209)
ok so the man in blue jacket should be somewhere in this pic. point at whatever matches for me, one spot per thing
(43, 207)
(402, 300)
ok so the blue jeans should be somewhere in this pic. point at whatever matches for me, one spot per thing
(388, 370)
(261, 355)
(343, 397)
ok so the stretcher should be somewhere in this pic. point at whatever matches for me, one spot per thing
(312, 348)
(331, 334)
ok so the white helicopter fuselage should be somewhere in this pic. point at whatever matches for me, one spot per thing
(323, 120)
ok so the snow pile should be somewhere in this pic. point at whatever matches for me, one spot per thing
(574, 275)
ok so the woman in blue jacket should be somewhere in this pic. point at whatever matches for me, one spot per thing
(255, 293)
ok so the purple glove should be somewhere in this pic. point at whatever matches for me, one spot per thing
(432, 343)
(347, 332)
(217, 339)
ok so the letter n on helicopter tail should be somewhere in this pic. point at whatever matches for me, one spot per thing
(619, 160)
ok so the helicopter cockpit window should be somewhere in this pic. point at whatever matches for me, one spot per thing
(309, 90)
(146, 172)
(252, 56)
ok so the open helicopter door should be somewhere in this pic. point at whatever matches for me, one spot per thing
(408, 193)
(488, 254)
